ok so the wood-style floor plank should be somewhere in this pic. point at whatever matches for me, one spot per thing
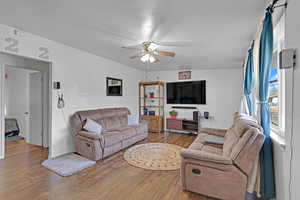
(23, 177)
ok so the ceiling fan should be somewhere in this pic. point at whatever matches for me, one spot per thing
(149, 51)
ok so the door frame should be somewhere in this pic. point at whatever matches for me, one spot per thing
(38, 65)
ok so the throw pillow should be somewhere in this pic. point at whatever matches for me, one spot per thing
(92, 126)
(133, 120)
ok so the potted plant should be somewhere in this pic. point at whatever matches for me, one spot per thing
(173, 114)
(151, 94)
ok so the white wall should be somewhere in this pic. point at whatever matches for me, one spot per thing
(223, 94)
(293, 41)
(16, 97)
(83, 82)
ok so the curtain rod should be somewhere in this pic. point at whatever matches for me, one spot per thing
(273, 5)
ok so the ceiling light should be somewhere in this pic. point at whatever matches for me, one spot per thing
(148, 58)
(152, 46)
(152, 59)
(145, 58)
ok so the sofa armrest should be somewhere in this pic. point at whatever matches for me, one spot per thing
(213, 131)
(90, 135)
(205, 156)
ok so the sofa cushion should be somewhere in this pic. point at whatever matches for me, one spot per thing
(108, 117)
(230, 140)
(242, 142)
(241, 125)
(115, 122)
(127, 132)
(244, 123)
(111, 137)
(140, 128)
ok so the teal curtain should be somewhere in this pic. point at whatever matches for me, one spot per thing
(248, 82)
(265, 65)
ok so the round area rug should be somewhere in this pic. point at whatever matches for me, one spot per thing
(154, 156)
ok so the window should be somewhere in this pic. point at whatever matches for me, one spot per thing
(281, 90)
(274, 97)
(277, 83)
(277, 92)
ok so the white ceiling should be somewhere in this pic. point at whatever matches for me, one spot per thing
(210, 34)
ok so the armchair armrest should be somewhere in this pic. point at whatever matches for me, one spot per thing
(213, 131)
(90, 135)
(205, 156)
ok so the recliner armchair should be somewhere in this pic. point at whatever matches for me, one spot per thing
(223, 171)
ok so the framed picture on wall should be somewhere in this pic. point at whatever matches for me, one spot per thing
(114, 87)
(184, 75)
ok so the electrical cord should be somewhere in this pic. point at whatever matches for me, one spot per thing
(291, 167)
(291, 143)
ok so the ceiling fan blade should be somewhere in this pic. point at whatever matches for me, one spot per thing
(133, 47)
(137, 56)
(156, 60)
(176, 44)
(165, 53)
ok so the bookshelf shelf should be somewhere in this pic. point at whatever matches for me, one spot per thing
(152, 108)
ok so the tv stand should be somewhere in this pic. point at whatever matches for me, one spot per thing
(182, 125)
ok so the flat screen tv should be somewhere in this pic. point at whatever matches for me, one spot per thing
(191, 92)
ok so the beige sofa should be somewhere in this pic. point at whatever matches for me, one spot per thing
(223, 171)
(116, 134)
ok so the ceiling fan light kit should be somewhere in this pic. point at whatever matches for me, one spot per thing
(148, 58)
(149, 51)
(152, 46)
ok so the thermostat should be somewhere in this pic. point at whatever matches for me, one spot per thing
(287, 58)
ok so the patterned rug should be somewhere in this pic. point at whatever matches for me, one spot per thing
(154, 156)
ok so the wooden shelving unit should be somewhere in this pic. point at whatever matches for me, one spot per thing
(151, 108)
(182, 125)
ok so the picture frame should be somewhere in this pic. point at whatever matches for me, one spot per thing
(114, 87)
(184, 75)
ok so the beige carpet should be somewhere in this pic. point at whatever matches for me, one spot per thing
(154, 156)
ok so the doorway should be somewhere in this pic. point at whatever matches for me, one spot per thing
(25, 101)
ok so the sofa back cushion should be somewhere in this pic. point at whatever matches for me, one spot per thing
(246, 151)
(243, 123)
(230, 140)
(109, 118)
(234, 138)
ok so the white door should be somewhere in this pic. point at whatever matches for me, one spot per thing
(35, 109)
(16, 97)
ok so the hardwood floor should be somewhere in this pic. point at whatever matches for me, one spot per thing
(22, 177)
